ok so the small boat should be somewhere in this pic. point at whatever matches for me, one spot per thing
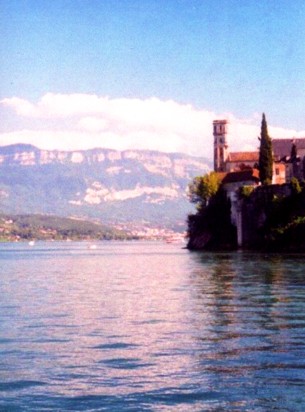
(92, 247)
(31, 243)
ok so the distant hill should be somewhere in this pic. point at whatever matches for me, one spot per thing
(126, 188)
(40, 227)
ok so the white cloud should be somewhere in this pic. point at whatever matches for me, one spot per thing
(92, 124)
(22, 107)
(92, 121)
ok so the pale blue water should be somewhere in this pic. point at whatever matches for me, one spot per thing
(150, 327)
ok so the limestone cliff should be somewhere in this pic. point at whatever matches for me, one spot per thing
(117, 187)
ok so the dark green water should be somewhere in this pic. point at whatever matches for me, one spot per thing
(150, 327)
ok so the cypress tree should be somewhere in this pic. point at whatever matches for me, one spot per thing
(265, 155)
(293, 152)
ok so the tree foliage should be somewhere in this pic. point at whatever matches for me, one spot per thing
(211, 227)
(284, 228)
(202, 188)
(265, 154)
(293, 153)
(295, 186)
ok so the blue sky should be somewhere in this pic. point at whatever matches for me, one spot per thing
(209, 58)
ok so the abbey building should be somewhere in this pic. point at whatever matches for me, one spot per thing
(240, 169)
(288, 155)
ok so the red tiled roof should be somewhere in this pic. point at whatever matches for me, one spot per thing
(242, 176)
(243, 157)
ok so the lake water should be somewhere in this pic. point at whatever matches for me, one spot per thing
(147, 326)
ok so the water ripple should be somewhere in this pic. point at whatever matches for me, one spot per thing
(144, 327)
(17, 385)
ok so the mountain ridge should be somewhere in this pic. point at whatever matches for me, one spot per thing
(129, 186)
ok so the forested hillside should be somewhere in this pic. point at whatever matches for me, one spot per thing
(39, 227)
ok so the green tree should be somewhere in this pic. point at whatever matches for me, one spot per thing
(295, 186)
(265, 154)
(293, 152)
(202, 188)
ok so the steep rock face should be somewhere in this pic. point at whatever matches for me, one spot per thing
(113, 186)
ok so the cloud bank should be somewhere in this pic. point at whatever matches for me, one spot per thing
(84, 121)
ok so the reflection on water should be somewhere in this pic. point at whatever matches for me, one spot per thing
(149, 326)
(254, 331)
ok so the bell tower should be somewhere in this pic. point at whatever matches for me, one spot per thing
(220, 145)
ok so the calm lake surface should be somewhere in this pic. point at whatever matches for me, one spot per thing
(143, 326)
